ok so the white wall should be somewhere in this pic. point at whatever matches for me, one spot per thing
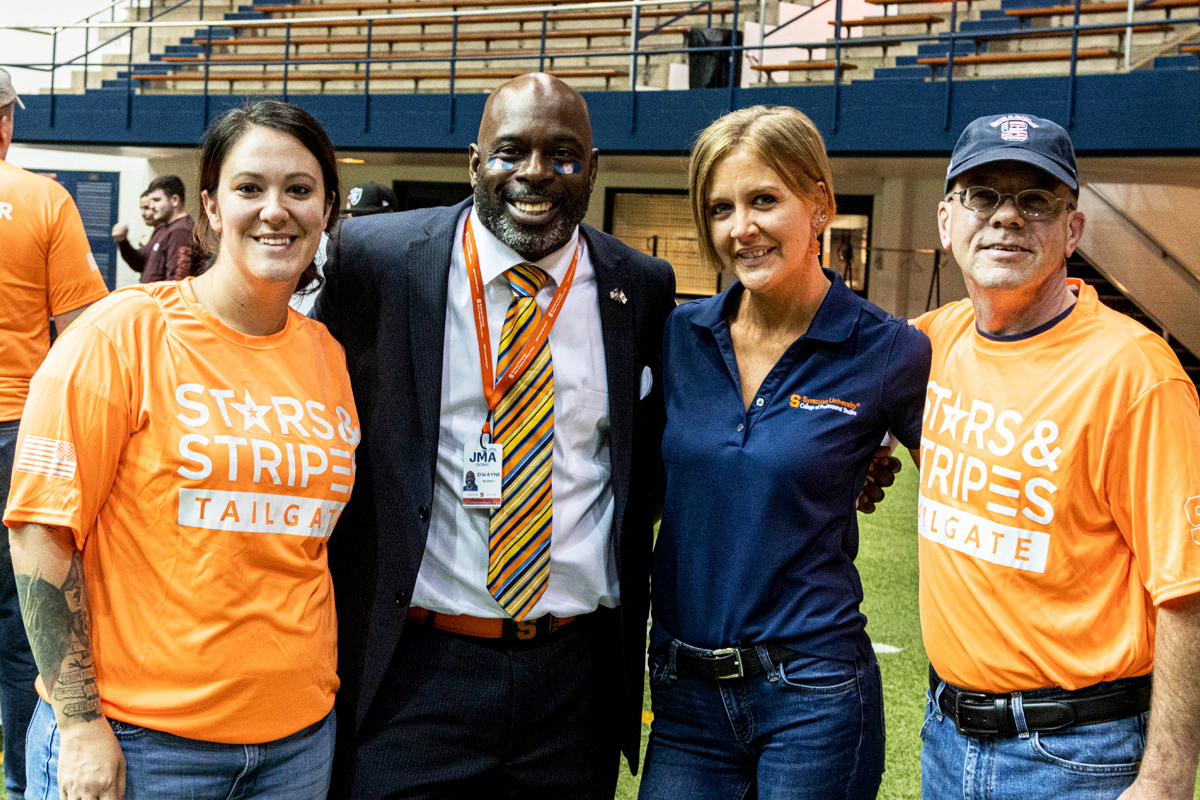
(1159, 210)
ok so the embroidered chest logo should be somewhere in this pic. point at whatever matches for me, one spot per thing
(807, 403)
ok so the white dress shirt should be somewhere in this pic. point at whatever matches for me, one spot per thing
(583, 571)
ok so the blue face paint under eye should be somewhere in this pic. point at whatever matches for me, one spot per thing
(499, 164)
(568, 167)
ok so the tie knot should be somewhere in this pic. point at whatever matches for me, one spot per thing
(527, 279)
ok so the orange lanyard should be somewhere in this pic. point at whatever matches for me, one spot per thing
(493, 391)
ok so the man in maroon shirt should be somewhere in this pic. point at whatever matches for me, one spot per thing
(168, 254)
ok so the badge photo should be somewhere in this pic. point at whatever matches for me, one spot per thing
(483, 473)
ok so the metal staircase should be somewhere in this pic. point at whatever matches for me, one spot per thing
(1112, 296)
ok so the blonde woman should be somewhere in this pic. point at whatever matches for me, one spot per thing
(778, 391)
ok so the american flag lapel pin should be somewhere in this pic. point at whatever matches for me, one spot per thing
(617, 294)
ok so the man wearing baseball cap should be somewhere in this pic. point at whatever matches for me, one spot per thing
(7, 93)
(1059, 505)
(46, 269)
(370, 198)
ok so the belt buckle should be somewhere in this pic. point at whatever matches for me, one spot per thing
(985, 715)
(725, 652)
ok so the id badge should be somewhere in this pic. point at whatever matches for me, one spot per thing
(483, 473)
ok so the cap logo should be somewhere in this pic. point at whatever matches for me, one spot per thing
(355, 195)
(1014, 127)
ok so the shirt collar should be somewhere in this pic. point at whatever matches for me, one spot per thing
(495, 257)
(833, 323)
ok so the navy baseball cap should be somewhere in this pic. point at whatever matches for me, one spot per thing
(1015, 137)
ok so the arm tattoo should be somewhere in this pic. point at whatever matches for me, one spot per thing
(56, 618)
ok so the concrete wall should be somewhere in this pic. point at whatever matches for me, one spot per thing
(1163, 194)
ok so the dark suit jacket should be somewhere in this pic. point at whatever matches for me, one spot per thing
(385, 300)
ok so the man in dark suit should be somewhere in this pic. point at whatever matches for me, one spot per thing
(450, 687)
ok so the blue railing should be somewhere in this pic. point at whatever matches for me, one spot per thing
(839, 44)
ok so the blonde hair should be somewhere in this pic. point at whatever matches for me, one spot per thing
(781, 137)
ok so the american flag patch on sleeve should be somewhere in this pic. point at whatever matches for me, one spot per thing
(41, 456)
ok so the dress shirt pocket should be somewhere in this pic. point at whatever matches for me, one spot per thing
(585, 421)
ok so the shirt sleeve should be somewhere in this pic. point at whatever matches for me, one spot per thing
(1152, 476)
(72, 277)
(905, 382)
(134, 257)
(925, 321)
(75, 426)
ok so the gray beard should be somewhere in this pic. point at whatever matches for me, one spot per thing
(530, 244)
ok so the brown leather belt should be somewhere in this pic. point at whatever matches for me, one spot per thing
(488, 627)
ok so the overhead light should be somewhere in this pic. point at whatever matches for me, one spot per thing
(351, 161)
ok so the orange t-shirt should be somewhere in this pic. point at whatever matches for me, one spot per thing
(46, 268)
(1059, 498)
(202, 472)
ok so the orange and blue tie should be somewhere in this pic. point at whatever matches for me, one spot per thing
(523, 422)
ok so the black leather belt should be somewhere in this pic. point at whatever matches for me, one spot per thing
(728, 662)
(985, 714)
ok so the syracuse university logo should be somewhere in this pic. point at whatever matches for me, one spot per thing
(1192, 508)
(832, 403)
(1014, 127)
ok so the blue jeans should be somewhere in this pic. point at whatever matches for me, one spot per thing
(160, 766)
(17, 669)
(807, 729)
(1087, 762)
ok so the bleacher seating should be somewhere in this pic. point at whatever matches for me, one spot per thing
(325, 44)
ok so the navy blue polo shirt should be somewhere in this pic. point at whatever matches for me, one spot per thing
(759, 530)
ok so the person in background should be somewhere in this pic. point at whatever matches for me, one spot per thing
(188, 449)
(364, 201)
(1059, 510)
(120, 233)
(147, 210)
(778, 392)
(46, 269)
(370, 198)
(168, 256)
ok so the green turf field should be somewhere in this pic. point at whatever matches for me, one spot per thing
(887, 560)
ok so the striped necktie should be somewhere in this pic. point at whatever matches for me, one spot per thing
(523, 422)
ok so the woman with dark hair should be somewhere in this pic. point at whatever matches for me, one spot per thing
(185, 454)
(778, 392)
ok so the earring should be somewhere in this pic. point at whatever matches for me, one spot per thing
(815, 248)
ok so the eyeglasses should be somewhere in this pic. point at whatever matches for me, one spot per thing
(1030, 203)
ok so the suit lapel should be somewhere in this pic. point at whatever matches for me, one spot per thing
(620, 356)
(430, 271)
